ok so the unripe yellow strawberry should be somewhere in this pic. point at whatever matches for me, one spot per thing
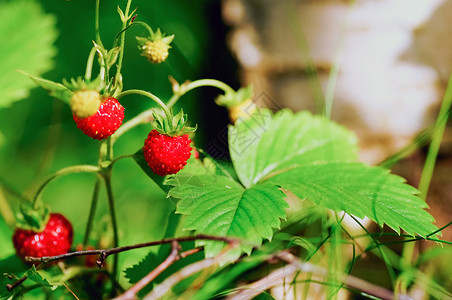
(156, 46)
(85, 103)
(156, 51)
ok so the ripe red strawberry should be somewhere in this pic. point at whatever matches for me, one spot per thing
(55, 239)
(166, 154)
(104, 122)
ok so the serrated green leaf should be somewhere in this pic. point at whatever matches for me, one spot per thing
(33, 275)
(264, 143)
(141, 269)
(194, 167)
(221, 206)
(28, 35)
(152, 260)
(362, 191)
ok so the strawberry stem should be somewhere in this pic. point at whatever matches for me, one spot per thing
(92, 213)
(151, 32)
(89, 64)
(64, 171)
(96, 21)
(184, 88)
(149, 95)
(144, 117)
(111, 206)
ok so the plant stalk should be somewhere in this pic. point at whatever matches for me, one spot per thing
(89, 64)
(92, 213)
(111, 206)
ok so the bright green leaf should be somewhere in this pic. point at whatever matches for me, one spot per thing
(33, 275)
(28, 35)
(264, 144)
(362, 191)
(220, 206)
(54, 89)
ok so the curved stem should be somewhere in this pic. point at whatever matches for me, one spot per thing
(92, 213)
(131, 25)
(120, 157)
(144, 117)
(151, 32)
(149, 95)
(89, 63)
(199, 83)
(64, 171)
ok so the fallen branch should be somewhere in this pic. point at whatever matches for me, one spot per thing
(104, 253)
(160, 290)
(174, 256)
(296, 265)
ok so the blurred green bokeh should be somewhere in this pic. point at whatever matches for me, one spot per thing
(39, 136)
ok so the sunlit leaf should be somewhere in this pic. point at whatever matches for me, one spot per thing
(264, 143)
(220, 206)
(362, 191)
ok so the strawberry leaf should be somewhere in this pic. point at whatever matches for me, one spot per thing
(28, 35)
(220, 206)
(362, 191)
(35, 276)
(263, 143)
(54, 89)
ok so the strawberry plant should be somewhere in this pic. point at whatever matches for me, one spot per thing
(274, 212)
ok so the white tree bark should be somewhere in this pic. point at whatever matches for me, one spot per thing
(395, 57)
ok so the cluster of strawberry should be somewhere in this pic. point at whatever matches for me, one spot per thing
(166, 149)
(165, 155)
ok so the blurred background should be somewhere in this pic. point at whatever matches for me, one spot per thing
(392, 60)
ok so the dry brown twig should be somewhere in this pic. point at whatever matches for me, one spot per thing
(104, 253)
(160, 290)
(296, 265)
